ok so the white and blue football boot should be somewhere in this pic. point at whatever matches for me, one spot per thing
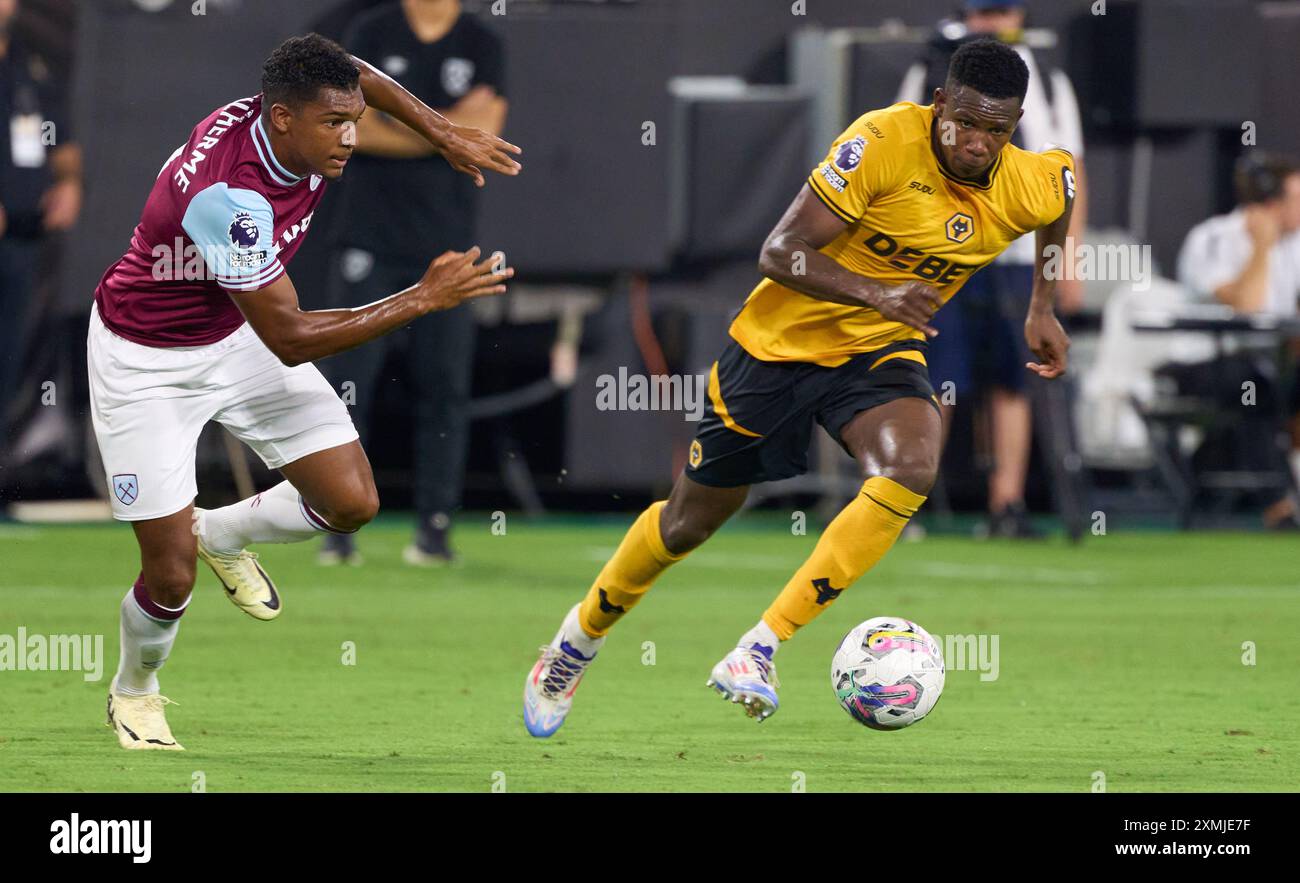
(747, 676)
(548, 692)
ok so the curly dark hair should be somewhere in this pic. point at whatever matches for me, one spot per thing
(301, 66)
(991, 68)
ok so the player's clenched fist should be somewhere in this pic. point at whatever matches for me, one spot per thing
(454, 277)
(912, 303)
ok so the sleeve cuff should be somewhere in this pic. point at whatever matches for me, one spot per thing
(262, 279)
(826, 200)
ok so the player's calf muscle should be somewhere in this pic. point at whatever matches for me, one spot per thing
(694, 512)
(684, 530)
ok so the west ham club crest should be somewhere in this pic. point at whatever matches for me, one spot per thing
(127, 489)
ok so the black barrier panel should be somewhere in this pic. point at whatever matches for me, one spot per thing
(589, 104)
(1170, 63)
(745, 159)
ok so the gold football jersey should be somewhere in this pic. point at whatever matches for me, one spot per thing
(907, 220)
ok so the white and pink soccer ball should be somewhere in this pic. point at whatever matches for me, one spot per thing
(888, 673)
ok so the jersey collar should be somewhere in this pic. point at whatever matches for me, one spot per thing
(987, 184)
(279, 174)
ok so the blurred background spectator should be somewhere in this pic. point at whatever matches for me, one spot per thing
(405, 205)
(1249, 260)
(40, 195)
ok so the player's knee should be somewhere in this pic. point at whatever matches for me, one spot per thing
(915, 472)
(357, 510)
(354, 516)
(170, 583)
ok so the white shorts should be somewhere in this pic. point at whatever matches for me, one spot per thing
(149, 404)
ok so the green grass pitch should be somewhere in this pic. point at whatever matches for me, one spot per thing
(1121, 658)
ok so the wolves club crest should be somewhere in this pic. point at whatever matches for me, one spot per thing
(960, 227)
(696, 456)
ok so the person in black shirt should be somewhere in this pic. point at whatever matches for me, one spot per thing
(314, 262)
(40, 194)
(402, 202)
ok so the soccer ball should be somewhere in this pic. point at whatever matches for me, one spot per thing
(888, 673)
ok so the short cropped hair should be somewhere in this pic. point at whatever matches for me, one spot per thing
(1261, 177)
(301, 66)
(991, 68)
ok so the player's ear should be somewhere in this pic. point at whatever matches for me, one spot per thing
(280, 116)
(939, 100)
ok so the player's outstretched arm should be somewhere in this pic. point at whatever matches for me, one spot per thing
(297, 336)
(791, 256)
(1043, 332)
(468, 150)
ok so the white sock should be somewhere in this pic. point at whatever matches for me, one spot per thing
(147, 631)
(279, 515)
(573, 635)
(761, 635)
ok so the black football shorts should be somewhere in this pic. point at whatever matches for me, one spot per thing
(758, 419)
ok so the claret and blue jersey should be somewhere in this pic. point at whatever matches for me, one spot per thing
(223, 215)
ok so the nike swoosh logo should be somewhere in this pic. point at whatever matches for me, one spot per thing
(274, 603)
(130, 732)
(228, 589)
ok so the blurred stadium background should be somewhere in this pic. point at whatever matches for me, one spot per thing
(637, 254)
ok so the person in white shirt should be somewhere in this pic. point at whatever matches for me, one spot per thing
(980, 347)
(1249, 259)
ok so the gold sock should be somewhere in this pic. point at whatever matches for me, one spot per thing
(640, 558)
(851, 545)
